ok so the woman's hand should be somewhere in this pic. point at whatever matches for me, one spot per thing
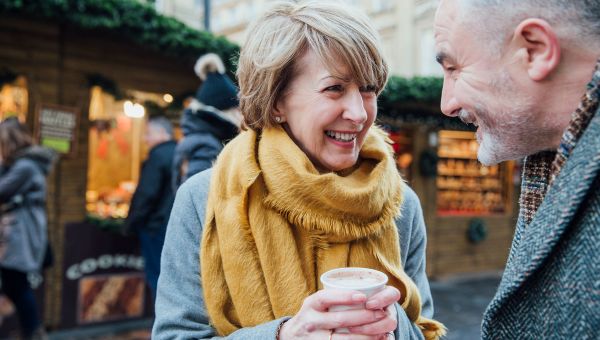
(383, 300)
(314, 321)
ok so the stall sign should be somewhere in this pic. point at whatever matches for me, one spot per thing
(103, 279)
(56, 128)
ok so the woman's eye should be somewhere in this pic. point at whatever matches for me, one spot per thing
(368, 88)
(335, 88)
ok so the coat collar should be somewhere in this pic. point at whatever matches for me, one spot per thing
(534, 242)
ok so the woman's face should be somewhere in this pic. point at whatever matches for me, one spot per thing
(327, 116)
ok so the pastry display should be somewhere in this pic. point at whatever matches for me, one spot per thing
(464, 186)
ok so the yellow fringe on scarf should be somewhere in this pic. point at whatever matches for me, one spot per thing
(274, 224)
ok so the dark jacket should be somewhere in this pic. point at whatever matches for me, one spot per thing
(205, 133)
(153, 198)
(551, 285)
(23, 222)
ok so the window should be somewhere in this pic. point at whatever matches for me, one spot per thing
(14, 99)
(116, 150)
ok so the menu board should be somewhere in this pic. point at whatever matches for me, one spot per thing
(56, 128)
(103, 277)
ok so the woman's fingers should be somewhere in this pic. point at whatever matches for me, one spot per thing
(388, 296)
(347, 318)
(324, 299)
(339, 336)
(384, 325)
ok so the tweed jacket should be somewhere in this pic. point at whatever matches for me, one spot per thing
(551, 285)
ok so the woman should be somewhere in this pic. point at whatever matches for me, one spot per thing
(311, 186)
(23, 235)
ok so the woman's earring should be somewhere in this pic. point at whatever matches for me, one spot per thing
(278, 119)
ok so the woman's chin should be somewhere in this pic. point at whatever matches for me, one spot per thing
(341, 164)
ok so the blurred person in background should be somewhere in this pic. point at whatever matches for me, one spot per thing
(153, 197)
(211, 119)
(311, 185)
(529, 79)
(23, 221)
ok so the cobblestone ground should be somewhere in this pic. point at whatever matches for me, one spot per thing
(460, 303)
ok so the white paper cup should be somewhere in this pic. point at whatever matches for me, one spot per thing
(365, 280)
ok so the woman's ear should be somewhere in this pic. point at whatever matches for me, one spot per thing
(542, 48)
(278, 113)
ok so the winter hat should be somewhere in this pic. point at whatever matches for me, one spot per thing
(217, 90)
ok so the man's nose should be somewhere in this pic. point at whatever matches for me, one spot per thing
(449, 104)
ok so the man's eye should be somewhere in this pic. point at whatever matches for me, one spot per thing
(368, 88)
(335, 88)
(450, 69)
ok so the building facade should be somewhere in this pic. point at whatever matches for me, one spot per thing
(405, 26)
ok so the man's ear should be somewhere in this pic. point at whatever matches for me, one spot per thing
(541, 46)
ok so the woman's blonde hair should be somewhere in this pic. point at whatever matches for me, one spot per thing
(276, 40)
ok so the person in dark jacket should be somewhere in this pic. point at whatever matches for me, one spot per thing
(153, 198)
(210, 120)
(23, 223)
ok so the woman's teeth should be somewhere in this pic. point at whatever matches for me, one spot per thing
(342, 137)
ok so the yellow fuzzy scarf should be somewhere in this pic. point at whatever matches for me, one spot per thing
(274, 224)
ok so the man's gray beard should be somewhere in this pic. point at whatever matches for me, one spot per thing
(512, 139)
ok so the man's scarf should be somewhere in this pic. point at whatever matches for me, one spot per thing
(541, 169)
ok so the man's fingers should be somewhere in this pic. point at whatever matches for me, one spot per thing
(388, 296)
(324, 299)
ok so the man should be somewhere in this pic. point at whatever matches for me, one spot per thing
(210, 120)
(518, 70)
(153, 197)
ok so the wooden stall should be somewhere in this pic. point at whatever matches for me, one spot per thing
(86, 93)
(470, 210)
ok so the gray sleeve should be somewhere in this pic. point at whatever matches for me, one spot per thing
(411, 228)
(13, 181)
(180, 310)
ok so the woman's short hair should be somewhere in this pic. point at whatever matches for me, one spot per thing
(280, 36)
(14, 137)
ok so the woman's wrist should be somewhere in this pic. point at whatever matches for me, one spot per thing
(278, 332)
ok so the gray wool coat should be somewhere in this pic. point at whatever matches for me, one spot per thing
(180, 310)
(551, 285)
(23, 227)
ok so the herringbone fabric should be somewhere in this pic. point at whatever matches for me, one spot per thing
(551, 285)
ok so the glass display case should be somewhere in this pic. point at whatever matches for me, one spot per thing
(14, 99)
(464, 186)
(116, 150)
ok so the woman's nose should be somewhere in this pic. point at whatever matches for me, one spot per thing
(355, 107)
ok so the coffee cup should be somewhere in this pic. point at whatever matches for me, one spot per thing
(365, 280)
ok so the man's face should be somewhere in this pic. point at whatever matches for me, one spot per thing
(154, 135)
(480, 88)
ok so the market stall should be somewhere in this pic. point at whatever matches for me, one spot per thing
(84, 78)
(470, 210)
